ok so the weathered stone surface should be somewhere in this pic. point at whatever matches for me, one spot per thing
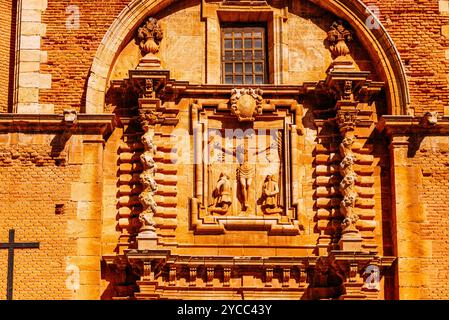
(79, 195)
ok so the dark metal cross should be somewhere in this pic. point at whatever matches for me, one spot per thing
(11, 245)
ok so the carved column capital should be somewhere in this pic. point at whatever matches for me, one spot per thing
(210, 273)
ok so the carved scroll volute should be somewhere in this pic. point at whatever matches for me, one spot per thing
(347, 121)
(338, 37)
(147, 120)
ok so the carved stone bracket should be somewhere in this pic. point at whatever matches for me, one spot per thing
(356, 271)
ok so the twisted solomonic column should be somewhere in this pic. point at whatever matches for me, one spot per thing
(346, 122)
(147, 120)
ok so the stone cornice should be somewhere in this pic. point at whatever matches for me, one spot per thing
(102, 124)
(406, 125)
(165, 255)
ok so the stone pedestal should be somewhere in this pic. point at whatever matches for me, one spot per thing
(323, 244)
(146, 240)
(351, 241)
(149, 62)
(342, 64)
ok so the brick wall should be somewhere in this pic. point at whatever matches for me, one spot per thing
(433, 159)
(423, 47)
(71, 51)
(7, 32)
(418, 30)
(33, 182)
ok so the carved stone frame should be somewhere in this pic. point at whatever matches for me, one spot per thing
(288, 223)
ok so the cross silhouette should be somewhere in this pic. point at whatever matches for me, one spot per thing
(11, 245)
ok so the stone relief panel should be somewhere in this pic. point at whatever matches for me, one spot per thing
(242, 156)
(245, 171)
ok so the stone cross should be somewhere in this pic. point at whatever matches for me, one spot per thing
(11, 245)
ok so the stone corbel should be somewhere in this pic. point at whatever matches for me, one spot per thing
(210, 273)
(269, 276)
(192, 276)
(353, 267)
(172, 274)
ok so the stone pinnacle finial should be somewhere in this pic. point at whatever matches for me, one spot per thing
(338, 36)
(149, 36)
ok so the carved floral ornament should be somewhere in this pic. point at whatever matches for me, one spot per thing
(338, 36)
(246, 103)
(149, 35)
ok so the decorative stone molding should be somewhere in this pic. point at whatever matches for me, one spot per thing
(246, 104)
(101, 124)
(194, 275)
(405, 125)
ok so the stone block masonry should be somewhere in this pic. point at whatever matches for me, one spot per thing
(7, 39)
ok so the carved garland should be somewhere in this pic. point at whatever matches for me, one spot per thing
(347, 121)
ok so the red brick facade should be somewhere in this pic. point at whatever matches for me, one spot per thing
(43, 167)
(7, 38)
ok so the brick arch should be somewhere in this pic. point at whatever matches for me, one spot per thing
(376, 41)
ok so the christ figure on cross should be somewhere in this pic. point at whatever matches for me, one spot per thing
(245, 171)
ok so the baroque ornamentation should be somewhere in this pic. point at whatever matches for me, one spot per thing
(149, 35)
(338, 36)
(147, 119)
(246, 103)
(210, 272)
(347, 122)
(192, 276)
